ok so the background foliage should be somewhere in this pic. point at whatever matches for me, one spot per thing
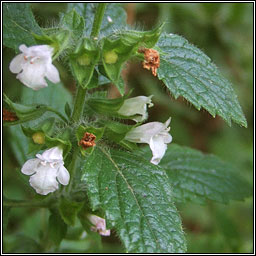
(224, 32)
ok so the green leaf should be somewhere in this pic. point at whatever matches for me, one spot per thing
(188, 72)
(142, 38)
(24, 113)
(137, 201)
(55, 96)
(83, 61)
(120, 47)
(197, 177)
(57, 228)
(68, 110)
(114, 12)
(74, 23)
(69, 210)
(18, 25)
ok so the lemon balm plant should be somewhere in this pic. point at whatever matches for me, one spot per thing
(83, 157)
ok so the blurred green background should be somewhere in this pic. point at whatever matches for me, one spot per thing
(224, 31)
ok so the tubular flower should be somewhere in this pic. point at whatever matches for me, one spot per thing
(46, 170)
(136, 106)
(155, 134)
(99, 225)
(33, 64)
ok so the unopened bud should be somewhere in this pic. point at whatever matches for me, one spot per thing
(38, 138)
(84, 60)
(110, 57)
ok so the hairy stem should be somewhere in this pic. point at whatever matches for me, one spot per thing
(98, 19)
(80, 95)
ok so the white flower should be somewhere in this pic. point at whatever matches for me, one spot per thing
(46, 170)
(33, 65)
(136, 106)
(99, 225)
(155, 134)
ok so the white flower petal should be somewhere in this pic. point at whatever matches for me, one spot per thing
(51, 155)
(143, 133)
(30, 166)
(33, 65)
(158, 148)
(63, 175)
(41, 51)
(136, 106)
(33, 76)
(44, 180)
(52, 74)
(99, 225)
(23, 48)
(105, 232)
(16, 63)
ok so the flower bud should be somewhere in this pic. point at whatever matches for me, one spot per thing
(38, 138)
(84, 60)
(110, 57)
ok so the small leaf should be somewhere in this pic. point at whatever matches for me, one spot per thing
(74, 23)
(57, 228)
(197, 177)
(68, 110)
(188, 72)
(54, 96)
(120, 47)
(83, 61)
(137, 201)
(68, 210)
(18, 25)
(23, 112)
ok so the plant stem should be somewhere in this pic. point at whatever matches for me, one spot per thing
(98, 19)
(22, 203)
(79, 104)
(80, 95)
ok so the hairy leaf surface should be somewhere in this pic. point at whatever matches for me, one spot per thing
(188, 72)
(137, 201)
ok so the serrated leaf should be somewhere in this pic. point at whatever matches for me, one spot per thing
(114, 17)
(197, 177)
(69, 210)
(188, 72)
(18, 25)
(57, 228)
(137, 201)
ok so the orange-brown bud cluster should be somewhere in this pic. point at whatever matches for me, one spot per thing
(9, 116)
(151, 59)
(88, 140)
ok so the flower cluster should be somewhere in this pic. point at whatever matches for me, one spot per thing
(32, 66)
